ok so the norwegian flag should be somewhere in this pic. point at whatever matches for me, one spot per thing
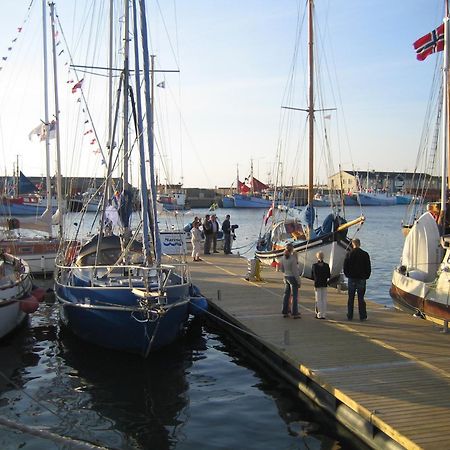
(430, 43)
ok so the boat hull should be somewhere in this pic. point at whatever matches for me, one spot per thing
(375, 199)
(334, 249)
(15, 291)
(415, 297)
(227, 202)
(420, 283)
(248, 201)
(11, 316)
(40, 254)
(112, 317)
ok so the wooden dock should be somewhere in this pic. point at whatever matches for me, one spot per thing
(386, 379)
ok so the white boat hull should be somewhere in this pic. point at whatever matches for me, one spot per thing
(421, 283)
(11, 316)
(334, 254)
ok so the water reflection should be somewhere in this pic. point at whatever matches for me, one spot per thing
(142, 402)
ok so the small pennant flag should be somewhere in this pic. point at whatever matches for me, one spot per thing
(77, 86)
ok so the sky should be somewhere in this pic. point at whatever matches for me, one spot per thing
(222, 110)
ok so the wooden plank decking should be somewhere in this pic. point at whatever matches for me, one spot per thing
(393, 370)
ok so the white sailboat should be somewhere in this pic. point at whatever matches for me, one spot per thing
(306, 237)
(420, 283)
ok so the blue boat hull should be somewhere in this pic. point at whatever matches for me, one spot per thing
(376, 199)
(247, 201)
(19, 209)
(122, 329)
(227, 202)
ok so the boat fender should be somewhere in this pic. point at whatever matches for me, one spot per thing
(29, 304)
(198, 306)
(39, 293)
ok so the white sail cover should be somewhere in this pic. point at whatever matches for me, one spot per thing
(422, 252)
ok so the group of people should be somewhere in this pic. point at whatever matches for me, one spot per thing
(209, 230)
(357, 269)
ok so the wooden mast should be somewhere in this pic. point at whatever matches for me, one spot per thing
(445, 121)
(311, 102)
(447, 95)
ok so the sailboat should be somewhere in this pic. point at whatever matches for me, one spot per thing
(115, 290)
(32, 238)
(420, 283)
(253, 195)
(306, 238)
(16, 293)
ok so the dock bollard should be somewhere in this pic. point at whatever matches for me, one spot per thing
(254, 270)
(219, 295)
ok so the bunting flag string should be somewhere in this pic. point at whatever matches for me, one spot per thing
(93, 143)
(18, 31)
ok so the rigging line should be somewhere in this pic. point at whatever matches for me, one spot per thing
(42, 405)
(82, 92)
(167, 34)
(65, 441)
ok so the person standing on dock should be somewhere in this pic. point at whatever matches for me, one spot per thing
(357, 269)
(214, 230)
(207, 231)
(321, 275)
(226, 228)
(289, 266)
(196, 240)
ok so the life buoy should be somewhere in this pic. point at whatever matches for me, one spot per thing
(29, 304)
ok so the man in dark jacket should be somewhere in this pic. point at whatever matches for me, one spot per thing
(207, 231)
(226, 228)
(357, 269)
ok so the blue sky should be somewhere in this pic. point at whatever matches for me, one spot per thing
(224, 106)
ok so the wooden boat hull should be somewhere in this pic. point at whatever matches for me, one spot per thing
(416, 301)
(420, 283)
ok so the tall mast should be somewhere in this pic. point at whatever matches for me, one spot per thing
(110, 143)
(58, 139)
(311, 101)
(150, 136)
(48, 191)
(140, 138)
(126, 84)
(445, 116)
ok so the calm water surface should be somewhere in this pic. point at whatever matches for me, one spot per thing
(201, 393)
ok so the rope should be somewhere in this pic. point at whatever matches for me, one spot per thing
(40, 432)
(248, 333)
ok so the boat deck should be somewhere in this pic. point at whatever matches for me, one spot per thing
(387, 379)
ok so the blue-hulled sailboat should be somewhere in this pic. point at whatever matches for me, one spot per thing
(115, 291)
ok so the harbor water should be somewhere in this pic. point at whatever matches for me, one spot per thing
(203, 392)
